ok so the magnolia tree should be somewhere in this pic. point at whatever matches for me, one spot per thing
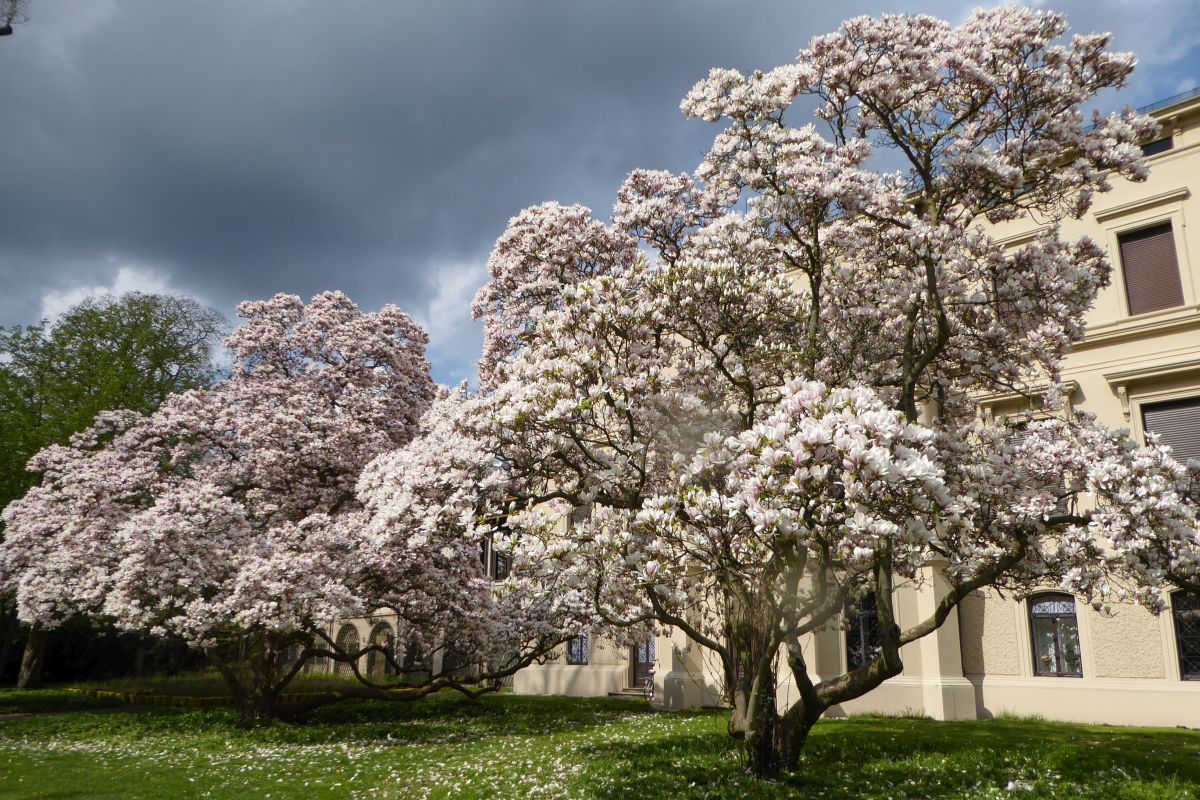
(233, 516)
(766, 416)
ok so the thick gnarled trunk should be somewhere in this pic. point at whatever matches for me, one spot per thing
(253, 676)
(771, 741)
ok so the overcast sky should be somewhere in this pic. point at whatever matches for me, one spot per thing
(230, 149)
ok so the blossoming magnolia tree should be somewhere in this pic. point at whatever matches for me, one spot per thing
(232, 515)
(767, 418)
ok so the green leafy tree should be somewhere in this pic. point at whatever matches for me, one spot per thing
(128, 352)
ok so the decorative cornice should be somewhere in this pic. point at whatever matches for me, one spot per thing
(1160, 322)
(1173, 195)
(996, 398)
(1119, 381)
(1022, 237)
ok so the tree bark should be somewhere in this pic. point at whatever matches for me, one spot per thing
(10, 626)
(30, 676)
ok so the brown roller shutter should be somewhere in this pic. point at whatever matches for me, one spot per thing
(1178, 424)
(1151, 271)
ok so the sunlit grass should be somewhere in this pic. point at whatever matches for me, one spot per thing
(508, 746)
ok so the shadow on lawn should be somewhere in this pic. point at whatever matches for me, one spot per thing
(896, 758)
(450, 717)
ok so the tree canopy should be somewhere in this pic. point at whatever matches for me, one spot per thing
(772, 417)
(129, 352)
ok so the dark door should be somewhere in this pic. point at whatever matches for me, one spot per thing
(643, 662)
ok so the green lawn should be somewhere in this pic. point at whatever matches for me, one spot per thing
(196, 684)
(508, 746)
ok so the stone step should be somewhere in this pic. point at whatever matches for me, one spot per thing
(630, 693)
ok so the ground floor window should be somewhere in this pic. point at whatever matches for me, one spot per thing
(1055, 632)
(862, 632)
(1185, 609)
(577, 650)
(378, 665)
(347, 642)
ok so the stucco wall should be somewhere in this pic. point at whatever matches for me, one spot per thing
(988, 633)
(1126, 644)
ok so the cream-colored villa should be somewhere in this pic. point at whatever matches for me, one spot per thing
(1139, 367)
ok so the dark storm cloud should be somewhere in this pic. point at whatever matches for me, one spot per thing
(233, 150)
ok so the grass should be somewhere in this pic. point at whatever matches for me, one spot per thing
(195, 684)
(510, 746)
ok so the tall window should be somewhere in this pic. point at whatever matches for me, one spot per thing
(1177, 424)
(577, 650)
(1185, 609)
(1151, 269)
(347, 642)
(862, 632)
(378, 666)
(1055, 632)
(456, 662)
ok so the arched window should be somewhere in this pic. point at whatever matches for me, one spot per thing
(1055, 634)
(862, 632)
(378, 667)
(1185, 609)
(347, 642)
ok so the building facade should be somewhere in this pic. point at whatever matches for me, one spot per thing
(1138, 368)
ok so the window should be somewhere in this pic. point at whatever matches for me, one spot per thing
(378, 666)
(1157, 146)
(862, 632)
(501, 567)
(1177, 424)
(456, 663)
(1151, 270)
(415, 668)
(1055, 633)
(1185, 609)
(347, 642)
(1021, 432)
(577, 650)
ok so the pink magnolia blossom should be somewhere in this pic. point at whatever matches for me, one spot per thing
(775, 417)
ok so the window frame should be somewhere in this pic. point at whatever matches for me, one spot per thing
(1123, 222)
(853, 628)
(1030, 616)
(579, 651)
(1159, 399)
(1173, 388)
(1170, 145)
(1178, 634)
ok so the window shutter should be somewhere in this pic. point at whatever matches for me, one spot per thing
(1178, 424)
(1151, 271)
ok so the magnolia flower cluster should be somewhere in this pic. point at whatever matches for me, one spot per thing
(216, 512)
(775, 416)
(832, 472)
(428, 510)
(543, 249)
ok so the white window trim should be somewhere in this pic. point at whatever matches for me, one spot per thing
(1132, 222)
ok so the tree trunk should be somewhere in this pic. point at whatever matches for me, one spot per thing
(10, 626)
(139, 658)
(30, 676)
